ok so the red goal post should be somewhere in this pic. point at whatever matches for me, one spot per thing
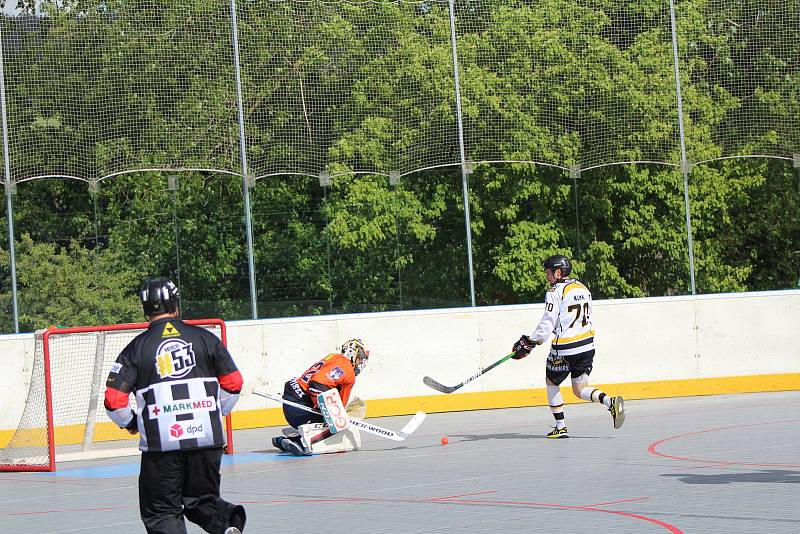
(63, 414)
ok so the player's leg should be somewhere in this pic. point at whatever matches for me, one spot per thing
(201, 500)
(294, 416)
(317, 438)
(161, 479)
(581, 367)
(556, 370)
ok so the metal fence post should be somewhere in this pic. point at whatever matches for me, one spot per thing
(10, 189)
(464, 169)
(685, 165)
(245, 179)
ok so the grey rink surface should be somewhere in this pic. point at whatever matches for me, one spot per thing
(726, 464)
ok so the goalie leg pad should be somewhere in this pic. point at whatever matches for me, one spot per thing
(333, 411)
(319, 440)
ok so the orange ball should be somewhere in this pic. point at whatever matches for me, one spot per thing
(445, 441)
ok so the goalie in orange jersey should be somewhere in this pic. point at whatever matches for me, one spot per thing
(337, 370)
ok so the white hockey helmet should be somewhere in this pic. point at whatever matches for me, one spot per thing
(358, 354)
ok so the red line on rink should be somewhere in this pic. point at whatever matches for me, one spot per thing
(363, 500)
(667, 526)
(653, 447)
(462, 495)
(453, 500)
(617, 502)
(67, 510)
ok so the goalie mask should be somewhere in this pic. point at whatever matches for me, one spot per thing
(358, 354)
(159, 295)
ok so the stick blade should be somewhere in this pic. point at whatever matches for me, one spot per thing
(413, 424)
(431, 383)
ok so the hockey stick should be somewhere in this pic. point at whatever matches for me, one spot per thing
(406, 431)
(430, 382)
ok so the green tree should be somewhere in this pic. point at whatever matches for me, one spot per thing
(71, 286)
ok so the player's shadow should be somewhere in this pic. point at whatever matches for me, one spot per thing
(779, 476)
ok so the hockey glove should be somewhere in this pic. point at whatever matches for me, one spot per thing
(133, 426)
(523, 347)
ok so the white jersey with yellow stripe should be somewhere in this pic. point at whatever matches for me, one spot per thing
(568, 316)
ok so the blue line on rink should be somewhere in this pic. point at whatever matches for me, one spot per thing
(131, 469)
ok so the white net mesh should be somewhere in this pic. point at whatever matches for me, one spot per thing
(741, 64)
(119, 86)
(341, 86)
(361, 87)
(96, 88)
(567, 82)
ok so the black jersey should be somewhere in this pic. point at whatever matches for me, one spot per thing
(184, 380)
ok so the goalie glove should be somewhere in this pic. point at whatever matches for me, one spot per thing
(523, 347)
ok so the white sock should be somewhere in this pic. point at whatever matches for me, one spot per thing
(556, 402)
(595, 395)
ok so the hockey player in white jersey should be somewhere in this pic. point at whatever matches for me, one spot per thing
(568, 316)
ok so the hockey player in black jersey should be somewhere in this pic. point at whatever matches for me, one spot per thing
(185, 381)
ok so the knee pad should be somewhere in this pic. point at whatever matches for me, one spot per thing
(554, 398)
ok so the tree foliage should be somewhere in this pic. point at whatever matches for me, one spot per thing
(363, 94)
(72, 286)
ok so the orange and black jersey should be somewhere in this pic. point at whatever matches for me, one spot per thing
(333, 371)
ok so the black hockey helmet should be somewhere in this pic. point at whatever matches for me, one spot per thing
(557, 261)
(159, 295)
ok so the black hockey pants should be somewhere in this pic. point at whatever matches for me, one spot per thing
(175, 484)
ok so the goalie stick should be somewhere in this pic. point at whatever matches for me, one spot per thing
(406, 431)
(430, 382)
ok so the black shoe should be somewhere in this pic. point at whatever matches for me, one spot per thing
(236, 521)
(295, 448)
(277, 442)
(558, 433)
(617, 411)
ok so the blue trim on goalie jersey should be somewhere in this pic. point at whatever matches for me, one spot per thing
(131, 469)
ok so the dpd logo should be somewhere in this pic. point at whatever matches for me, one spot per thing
(186, 430)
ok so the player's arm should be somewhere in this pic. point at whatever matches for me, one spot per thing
(527, 343)
(119, 386)
(327, 377)
(316, 386)
(547, 323)
(344, 391)
(228, 375)
(346, 382)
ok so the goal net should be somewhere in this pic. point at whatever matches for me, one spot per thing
(64, 416)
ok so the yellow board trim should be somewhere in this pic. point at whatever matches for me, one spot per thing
(457, 402)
